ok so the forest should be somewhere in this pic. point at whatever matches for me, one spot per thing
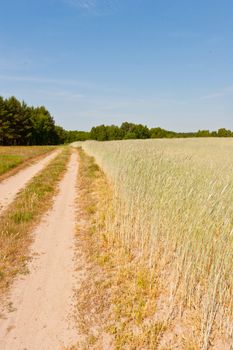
(21, 124)
(139, 131)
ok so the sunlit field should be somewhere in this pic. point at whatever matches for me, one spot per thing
(12, 156)
(173, 209)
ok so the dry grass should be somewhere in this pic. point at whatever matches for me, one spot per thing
(116, 302)
(17, 221)
(172, 205)
(16, 157)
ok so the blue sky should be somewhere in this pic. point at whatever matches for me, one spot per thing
(156, 62)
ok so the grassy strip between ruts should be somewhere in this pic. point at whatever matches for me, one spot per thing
(17, 221)
(15, 158)
(116, 302)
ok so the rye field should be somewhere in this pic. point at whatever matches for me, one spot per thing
(172, 209)
(13, 156)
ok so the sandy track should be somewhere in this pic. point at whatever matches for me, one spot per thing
(39, 318)
(12, 185)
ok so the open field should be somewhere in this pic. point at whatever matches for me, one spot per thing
(13, 156)
(151, 264)
(116, 301)
(172, 210)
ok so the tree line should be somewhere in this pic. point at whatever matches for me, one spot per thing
(21, 124)
(24, 125)
(139, 131)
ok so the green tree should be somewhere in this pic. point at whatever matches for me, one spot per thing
(158, 133)
(75, 135)
(3, 122)
(99, 133)
(224, 133)
(130, 135)
(137, 131)
(114, 132)
(203, 133)
(43, 127)
(60, 135)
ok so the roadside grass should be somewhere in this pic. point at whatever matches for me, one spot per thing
(117, 300)
(16, 157)
(17, 222)
(172, 205)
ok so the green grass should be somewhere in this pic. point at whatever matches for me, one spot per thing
(17, 221)
(11, 157)
(173, 210)
(8, 162)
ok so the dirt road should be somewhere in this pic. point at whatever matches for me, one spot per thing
(41, 301)
(12, 185)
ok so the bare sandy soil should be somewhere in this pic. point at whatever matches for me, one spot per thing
(12, 185)
(39, 310)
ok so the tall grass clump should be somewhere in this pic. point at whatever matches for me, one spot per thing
(173, 210)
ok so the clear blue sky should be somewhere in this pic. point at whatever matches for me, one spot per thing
(157, 62)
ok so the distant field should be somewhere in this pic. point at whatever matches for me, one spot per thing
(173, 208)
(11, 157)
